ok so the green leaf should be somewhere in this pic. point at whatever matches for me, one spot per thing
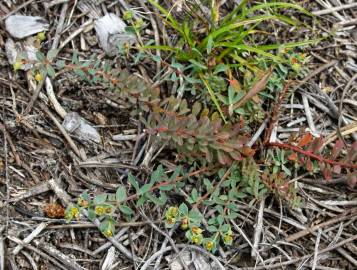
(132, 180)
(100, 199)
(232, 216)
(156, 58)
(210, 44)
(50, 71)
(183, 209)
(208, 184)
(197, 64)
(167, 187)
(60, 64)
(80, 73)
(126, 210)
(141, 201)
(163, 198)
(85, 196)
(154, 199)
(194, 195)
(40, 56)
(195, 216)
(91, 214)
(176, 173)
(120, 194)
(145, 188)
(220, 220)
(212, 229)
(286, 170)
(225, 228)
(157, 174)
(75, 58)
(213, 97)
(223, 197)
(51, 54)
(220, 68)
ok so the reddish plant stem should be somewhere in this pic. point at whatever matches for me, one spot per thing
(204, 197)
(312, 155)
(276, 112)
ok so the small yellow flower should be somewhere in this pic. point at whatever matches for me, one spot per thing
(41, 36)
(108, 233)
(71, 213)
(228, 239)
(196, 230)
(128, 15)
(209, 245)
(99, 210)
(197, 239)
(17, 66)
(38, 77)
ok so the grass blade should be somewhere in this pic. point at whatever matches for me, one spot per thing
(213, 97)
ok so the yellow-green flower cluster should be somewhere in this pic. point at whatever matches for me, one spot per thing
(108, 233)
(71, 213)
(228, 238)
(197, 236)
(171, 216)
(210, 245)
(101, 210)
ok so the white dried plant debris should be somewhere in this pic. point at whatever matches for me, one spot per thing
(15, 51)
(109, 259)
(111, 33)
(20, 26)
(75, 124)
(194, 261)
(90, 8)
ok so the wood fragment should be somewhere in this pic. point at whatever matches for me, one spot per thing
(30, 237)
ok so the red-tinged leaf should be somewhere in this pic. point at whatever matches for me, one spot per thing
(256, 88)
(326, 171)
(302, 160)
(316, 145)
(327, 174)
(336, 149)
(235, 84)
(247, 151)
(337, 169)
(352, 180)
(226, 147)
(207, 153)
(223, 158)
(216, 125)
(236, 155)
(293, 157)
(309, 165)
(305, 140)
(242, 140)
(222, 136)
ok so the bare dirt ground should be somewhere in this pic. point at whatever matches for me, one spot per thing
(44, 167)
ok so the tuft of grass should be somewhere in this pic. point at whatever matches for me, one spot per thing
(226, 45)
